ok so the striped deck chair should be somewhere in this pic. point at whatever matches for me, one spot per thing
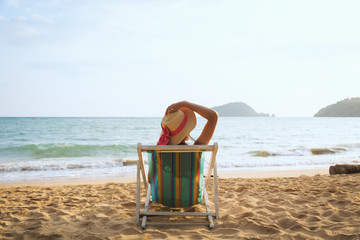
(175, 179)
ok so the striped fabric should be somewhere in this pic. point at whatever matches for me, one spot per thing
(176, 179)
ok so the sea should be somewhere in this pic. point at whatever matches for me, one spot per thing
(46, 149)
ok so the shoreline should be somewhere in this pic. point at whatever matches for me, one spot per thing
(132, 179)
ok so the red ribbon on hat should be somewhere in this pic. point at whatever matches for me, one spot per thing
(166, 134)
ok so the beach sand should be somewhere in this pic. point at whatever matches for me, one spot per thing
(301, 207)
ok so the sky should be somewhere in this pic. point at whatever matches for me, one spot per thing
(117, 58)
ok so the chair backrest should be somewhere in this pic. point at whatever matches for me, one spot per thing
(176, 178)
(176, 172)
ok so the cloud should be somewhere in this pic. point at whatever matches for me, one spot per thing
(13, 3)
(22, 32)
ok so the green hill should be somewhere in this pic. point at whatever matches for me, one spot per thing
(349, 107)
(237, 109)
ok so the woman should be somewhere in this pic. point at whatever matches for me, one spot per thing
(180, 120)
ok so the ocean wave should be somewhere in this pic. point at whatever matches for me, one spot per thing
(59, 166)
(349, 145)
(297, 152)
(62, 150)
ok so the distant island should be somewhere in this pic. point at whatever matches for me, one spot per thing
(237, 109)
(349, 107)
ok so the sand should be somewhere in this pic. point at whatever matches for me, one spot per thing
(303, 207)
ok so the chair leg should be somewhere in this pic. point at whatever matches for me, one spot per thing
(216, 193)
(207, 206)
(138, 193)
(147, 203)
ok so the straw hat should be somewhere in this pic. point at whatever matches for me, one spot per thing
(176, 126)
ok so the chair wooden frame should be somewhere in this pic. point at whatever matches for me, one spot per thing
(212, 170)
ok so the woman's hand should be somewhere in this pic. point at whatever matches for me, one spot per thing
(175, 107)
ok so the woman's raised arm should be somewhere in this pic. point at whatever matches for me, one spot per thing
(205, 112)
